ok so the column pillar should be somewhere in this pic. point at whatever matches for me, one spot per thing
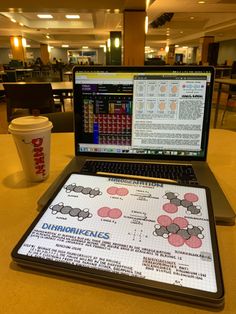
(44, 53)
(170, 56)
(17, 48)
(204, 45)
(134, 37)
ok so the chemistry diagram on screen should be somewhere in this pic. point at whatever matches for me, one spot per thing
(143, 229)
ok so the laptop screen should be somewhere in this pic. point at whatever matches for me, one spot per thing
(159, 112)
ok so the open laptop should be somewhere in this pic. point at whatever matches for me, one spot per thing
(129, 119)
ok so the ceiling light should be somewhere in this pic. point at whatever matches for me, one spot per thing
(85, 47)
(185, 47)
(116, 11)
(45, 16)
(191, 17)
(65, 46)
(21, 24)
(176, 46)
(13, 20)
(47, 36)
(201, 2)
(72, 16)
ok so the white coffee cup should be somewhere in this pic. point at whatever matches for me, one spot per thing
(32, 136)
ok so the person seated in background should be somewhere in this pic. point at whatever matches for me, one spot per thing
(38, 63)
(54, 64)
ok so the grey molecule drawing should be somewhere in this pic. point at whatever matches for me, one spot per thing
(84, 190)
(68, 210)
(187, 202)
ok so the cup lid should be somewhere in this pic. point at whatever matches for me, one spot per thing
(29, 123)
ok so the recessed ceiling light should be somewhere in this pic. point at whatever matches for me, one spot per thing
(85, 47)
(191, 17)
(45, 16)
(201, 2)
(47, 36)
(65, 46)
(72, 16)
(21, 24)
(13, 20)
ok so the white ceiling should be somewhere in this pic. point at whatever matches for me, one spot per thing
(190, 21)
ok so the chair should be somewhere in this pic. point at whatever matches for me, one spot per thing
(62, 121)
(30, 98)
(231, 92)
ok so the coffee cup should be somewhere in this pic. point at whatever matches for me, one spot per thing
(32, 136)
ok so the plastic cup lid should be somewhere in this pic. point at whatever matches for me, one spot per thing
(29, 123)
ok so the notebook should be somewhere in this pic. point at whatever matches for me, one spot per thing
(132, 116)
(138, 235)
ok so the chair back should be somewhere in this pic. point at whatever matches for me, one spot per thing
(35, 97)
(62, 121)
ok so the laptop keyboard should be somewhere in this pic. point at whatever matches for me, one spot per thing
(183, 174)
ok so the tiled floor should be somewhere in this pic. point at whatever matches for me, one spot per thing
(229, 120)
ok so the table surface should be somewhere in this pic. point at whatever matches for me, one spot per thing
(25, 291)
(65, 85)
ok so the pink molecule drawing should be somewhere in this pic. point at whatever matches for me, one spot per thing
(170, 208)
(122, 191)
(107, 212)
(103, 211)
(178, 232)
(194, 242)
(181, 222)
(176, 240)
(191, 197)
(113, 190)
(164, 220)
(115, 213)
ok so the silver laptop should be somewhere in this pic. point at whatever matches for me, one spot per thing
(145, 121)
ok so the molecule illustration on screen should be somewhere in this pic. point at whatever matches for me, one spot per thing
(107, 212)
(113, 190)
(68, 210)
(80, 189)
(187, 202)
(178, 231)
